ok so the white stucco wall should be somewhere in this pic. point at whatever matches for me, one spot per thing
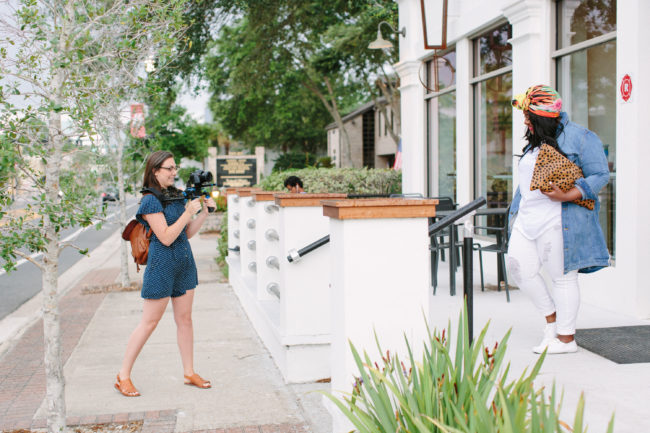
(625, 287)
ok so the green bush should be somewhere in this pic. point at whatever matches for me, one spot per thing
(294, 160)
(184, 173)
(222, 245)
(450, 392)
(339, 180)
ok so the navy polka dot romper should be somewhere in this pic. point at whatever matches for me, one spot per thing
(170, 271)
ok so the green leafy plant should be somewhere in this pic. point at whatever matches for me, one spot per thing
(222, 245)
(452, 391)
(339, 180)
(294, 160)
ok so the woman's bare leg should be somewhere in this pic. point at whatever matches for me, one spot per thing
(152, 311)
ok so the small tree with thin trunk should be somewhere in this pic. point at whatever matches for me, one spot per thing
(58, 61)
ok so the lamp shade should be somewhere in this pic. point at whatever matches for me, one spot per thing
(380, 43)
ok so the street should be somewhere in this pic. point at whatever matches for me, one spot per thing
(23, 283)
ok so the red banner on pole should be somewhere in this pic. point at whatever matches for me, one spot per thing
(137, 121)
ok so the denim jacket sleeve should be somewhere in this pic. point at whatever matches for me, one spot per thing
(594, 166)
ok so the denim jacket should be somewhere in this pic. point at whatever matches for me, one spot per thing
(584, 244)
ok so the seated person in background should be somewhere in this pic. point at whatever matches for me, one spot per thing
(293, 184)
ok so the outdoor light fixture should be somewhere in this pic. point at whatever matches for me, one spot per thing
(434, 24)
(380, 43)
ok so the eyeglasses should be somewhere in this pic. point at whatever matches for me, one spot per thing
(171, 168)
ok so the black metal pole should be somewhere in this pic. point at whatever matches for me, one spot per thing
(309, 248)
(468, 282)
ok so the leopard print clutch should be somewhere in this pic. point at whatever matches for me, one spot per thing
(552, 166)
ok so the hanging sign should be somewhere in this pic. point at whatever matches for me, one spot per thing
(626, 87)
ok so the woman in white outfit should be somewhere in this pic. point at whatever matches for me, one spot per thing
(548, 230)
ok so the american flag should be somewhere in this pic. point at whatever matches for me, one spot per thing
(398, 156)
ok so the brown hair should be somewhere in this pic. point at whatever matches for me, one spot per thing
(154, 162)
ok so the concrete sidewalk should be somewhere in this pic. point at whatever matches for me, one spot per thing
(248, 394)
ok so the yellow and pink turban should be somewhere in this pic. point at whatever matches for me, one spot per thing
(540, 100)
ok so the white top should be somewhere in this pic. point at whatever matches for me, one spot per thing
(537, 213)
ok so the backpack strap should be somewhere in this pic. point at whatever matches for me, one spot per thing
(156, 193)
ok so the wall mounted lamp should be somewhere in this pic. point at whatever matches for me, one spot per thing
(381, 43)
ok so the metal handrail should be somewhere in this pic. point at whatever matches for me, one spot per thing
(456, 215)
(296, 255)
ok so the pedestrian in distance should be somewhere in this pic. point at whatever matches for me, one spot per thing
(293, 184)
(170, 271)
(547, 230)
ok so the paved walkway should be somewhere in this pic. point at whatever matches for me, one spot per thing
(248, 393)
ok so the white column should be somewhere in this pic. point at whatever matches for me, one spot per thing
(380, 283)
(305, 310)
(633, 160)
(413, 128)
(414, 152)
(464, 123)
(531, 57)
(211, 161)
(259, 156)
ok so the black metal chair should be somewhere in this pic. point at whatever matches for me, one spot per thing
(439, 244)
(500, 247)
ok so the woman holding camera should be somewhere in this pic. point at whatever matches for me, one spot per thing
(171, 270)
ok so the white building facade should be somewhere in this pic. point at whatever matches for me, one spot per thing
(460, 136)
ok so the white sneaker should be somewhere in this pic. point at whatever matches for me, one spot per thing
(555, 346)
(550, 332)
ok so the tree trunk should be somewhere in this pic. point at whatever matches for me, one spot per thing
(55, 382)
(332, 108)
(124, 249)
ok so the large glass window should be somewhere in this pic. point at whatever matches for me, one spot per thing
(492, 83)
(586, 80)
(441, 107)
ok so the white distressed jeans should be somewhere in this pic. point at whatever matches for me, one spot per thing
(525, 260)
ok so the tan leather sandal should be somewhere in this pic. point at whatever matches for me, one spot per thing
(125, 387)
(198, 381)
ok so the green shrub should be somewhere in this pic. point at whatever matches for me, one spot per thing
(184, 173)
(222, 245)
(450, 392)
(339, 180)
(294, 160)
(324, 162)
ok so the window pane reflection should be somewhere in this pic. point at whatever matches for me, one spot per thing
(494, 140)
(493, 50)
(579, 21)
(447, 145)
(587, 84)
(442, 71)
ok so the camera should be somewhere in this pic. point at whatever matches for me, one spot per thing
(198, 185)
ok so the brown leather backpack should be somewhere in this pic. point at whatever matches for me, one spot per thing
(136, 233)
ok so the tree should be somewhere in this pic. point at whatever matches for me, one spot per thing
(323, 43)
(278, 112)
(59, 62)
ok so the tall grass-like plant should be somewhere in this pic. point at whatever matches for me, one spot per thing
(459, 389)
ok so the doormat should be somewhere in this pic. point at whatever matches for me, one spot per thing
(622, 344)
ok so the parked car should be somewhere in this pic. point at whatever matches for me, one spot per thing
(108, 196)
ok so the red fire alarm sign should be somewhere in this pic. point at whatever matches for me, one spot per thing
(626, 87)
